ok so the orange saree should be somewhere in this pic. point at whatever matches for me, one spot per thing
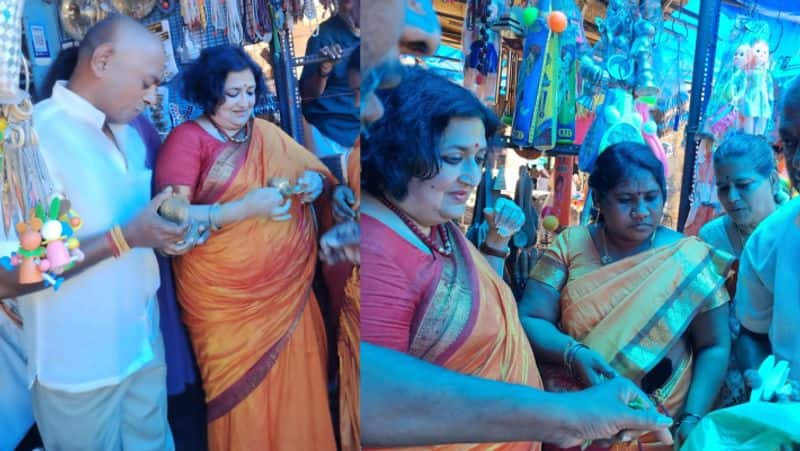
(466, 320)
(252, 316)
(633, 311)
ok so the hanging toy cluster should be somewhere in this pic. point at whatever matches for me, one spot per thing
(482, 44)
(48, 247)
(544, 114)
(621, 67)
(623, 57)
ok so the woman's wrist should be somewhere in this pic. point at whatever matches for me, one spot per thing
(495, 240)
(688, 418)
(233, 211)
(494, 251)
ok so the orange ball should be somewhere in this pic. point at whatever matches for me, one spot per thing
(557, 21)
(75, 222)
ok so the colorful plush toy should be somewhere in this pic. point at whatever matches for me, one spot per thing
(47, 245)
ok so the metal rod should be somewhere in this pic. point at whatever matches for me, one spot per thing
(705, 49)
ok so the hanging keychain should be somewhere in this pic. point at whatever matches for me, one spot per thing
(235, 33)
(310, 9)
(217, 16)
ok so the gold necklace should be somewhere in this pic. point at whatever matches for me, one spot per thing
(606, 259)
(235, 137)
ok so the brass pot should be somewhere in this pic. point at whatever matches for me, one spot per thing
(175, 209)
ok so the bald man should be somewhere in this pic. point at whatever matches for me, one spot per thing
(95, 354)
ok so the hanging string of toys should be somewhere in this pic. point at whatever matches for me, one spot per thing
(47, 245)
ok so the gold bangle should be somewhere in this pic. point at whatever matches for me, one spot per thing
(117, 243)
(119, 239)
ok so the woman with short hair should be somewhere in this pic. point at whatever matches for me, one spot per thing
(247, 293)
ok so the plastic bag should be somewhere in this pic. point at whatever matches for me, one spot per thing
(755, 426)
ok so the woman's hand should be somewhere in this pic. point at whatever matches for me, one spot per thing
(591, 367)
(267, 202)
(309, 186)
(683, 431)
(504, 219)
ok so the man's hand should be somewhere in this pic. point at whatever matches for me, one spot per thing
(149, 230)
(341, 243)
(343, 201)
(333, 52)
(616, 410)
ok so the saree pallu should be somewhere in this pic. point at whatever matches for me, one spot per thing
(633, 311)
(468, 322)
(253, 319)
(349, 365)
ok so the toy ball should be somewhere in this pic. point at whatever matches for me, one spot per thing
(550, 223)
(73, 243)
(51, 230)
(75, 222)
(557, 21)
(650, 127)
(529, 16)
(30, 240)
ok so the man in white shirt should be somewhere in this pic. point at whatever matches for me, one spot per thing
(95, 355)
(16, 413)
(768, 287)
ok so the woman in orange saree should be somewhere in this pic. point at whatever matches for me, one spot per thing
(627, 297)
(246, 293)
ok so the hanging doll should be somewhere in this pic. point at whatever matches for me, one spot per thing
(757, 103)
(732, 93)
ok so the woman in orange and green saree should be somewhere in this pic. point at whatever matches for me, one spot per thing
(628, 297)
(246, 293)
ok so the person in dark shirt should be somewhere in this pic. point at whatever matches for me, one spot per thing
(328, 100)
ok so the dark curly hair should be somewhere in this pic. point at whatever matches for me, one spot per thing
(404, 143)
(616, 162)
(204, 80)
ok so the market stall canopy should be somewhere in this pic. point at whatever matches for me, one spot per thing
(680, 26)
